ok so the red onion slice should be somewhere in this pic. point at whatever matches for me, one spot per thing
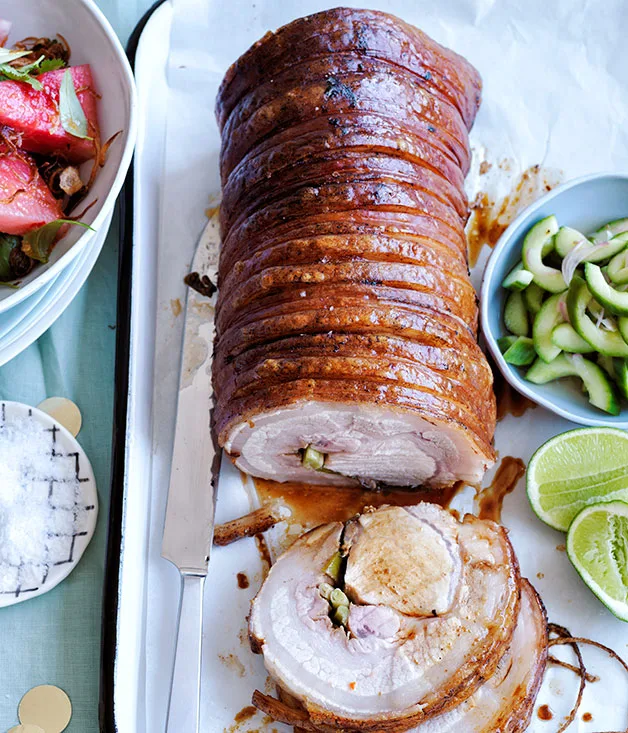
(562, 308)
(576, 359)
(608, 324)
(602, 320)
(578, 255)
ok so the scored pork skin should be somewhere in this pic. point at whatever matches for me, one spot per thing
(374, 34)
(365, 133)
(356, 207)
(363, 248)
(379, 187)
(390, 93)
(251, 186)
(472, 378)
(343, 218)
(405, 283)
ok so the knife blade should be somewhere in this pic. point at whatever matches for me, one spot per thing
(189, 521)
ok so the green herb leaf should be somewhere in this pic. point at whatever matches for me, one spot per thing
(51, 65)
(73, 118)
(37, 243)
(7, 55)
(32, 68)
(29, 72)
(9, 72)
(8, 243)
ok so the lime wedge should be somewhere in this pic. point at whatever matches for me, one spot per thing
(576, 469)
(597, 545)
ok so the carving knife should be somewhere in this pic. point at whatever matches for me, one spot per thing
(189, 524)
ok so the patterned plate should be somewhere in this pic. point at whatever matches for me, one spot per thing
(55, 516)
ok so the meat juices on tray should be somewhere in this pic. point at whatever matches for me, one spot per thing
(346, 320)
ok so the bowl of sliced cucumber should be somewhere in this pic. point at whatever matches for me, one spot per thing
(554, 301)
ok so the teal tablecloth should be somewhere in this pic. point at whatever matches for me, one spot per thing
(55, 639)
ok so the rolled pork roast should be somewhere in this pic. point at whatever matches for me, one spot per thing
(346, 321)
(438, 633)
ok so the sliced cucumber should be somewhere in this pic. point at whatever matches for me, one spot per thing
(617, 226)
(607, 364)
(613, 300)
(622, 324)
(521, 353)
(599, 387)
(516, 315)
(505, 342)
(565, 337)
(601, 391)
(618, 268)
(609, 343)
(621, 376)
(545, 322)
(539, 242)
(605, 251)
(566, 239)
(542, 372)
(533, 296)
(518, 278)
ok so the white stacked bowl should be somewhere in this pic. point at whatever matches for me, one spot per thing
(92, 41)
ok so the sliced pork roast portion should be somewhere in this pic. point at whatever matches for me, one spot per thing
(346, 322)
(392, 619)
(504, 703)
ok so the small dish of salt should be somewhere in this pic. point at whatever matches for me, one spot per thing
(48, 502)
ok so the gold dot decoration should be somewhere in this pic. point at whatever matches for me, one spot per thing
(46, 708)
(64, 411)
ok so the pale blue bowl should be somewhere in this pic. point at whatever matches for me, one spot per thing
(585, 204)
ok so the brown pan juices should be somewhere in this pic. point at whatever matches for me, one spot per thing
(314, 505)
(544, 713)
(507, 399)
(490, 218)
(491, 499)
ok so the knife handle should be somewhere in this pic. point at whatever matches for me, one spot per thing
(185, 690)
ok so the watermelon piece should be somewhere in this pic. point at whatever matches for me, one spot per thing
(35, 114)
(26, 202)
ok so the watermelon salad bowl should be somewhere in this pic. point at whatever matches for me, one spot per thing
(67, 132)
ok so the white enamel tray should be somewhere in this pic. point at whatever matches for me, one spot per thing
(183, 52)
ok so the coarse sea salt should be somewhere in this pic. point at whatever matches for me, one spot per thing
(40, 508)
